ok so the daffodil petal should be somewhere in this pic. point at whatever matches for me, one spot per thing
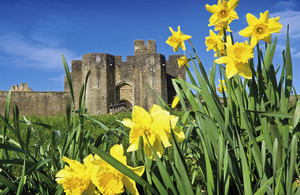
(175, 102)
(232, 4)
(117, 152)
(172, 31)
(130, 185)
(247, 32)
(223, 60)
(213, 20)
(244, 70)
(148, 151)
(254, 41)
(158, 148)
(155, 108)
(231, 70)
(275, 27)
(140, 114)
(74, 165)
(164, 139)
(160, 120)
(173, 121)
(127, 122)
(87, 160)
(138, 170)
(264, 17)
(211, 8)
(132, 147)
(182, 46)
(251, 19)
(186, 37)
(179, 135)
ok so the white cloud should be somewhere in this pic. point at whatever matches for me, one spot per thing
(289, 17)
(285, 5)
(297, 55)
(24, 53)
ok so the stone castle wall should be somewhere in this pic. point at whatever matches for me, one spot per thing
(37, 103)
(111, 81)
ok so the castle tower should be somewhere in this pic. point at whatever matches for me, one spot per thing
(150, 70)
(100, 92)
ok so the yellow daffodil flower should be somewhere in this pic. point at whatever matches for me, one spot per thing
(183, 61)
(175, 101)
(75, 178)
(237, 60)
(109, 180)
(222, 83)
(261, 29)
(177, 39)
(214, 42)
(156, 125)
(222, 12)
(219, 27)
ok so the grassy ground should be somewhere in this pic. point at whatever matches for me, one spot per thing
(41, 136)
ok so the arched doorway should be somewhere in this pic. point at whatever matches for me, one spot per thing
(124, 92)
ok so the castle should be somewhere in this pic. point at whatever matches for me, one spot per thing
(112, 84)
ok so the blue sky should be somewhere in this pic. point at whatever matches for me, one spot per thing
(35, 33)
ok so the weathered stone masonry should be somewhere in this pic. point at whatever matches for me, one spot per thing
(111, 82)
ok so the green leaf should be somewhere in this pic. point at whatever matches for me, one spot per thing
(11, 148)
(289, 68)
(181, 167)
(8, 183)
(37, 166)
(23, 179)
(245, 168)
(296, 115)
(273, 114)
(68, 75)
(291, 166)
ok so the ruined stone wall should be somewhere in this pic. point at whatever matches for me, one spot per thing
(37, 103)
(21, 87)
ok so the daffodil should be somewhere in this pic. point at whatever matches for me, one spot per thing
(156, 125)
(222, 84)
(177, 39)
(219, 27)
(183, 61)
(175, 101)
(214, 42)
(222, 12)
(109, 180)
(75, 178)
(261, 29)
(237, 60)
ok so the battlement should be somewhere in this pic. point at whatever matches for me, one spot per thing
(21, 87)
(140, 47)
